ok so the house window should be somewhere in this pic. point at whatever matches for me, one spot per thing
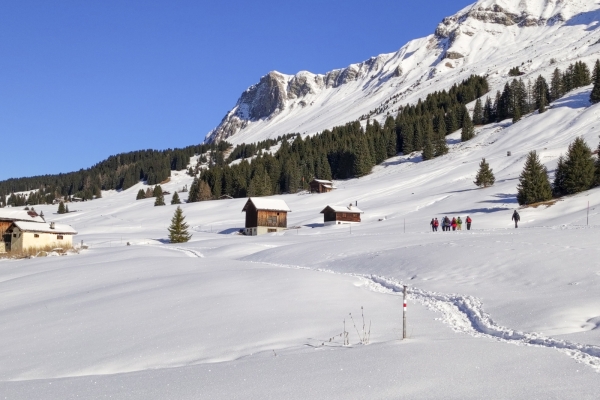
(272, 230)
(35, 235)
(59, 237)
(14, 235)
(272, 220)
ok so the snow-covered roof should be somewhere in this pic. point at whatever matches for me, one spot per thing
(323, 181)
(45, 227)
(262, 203)
(345, 209)
(18, 215)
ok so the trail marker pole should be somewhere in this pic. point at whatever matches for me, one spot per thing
(404, 316)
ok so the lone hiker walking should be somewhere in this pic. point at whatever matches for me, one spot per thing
(469, 220)
(516, 217)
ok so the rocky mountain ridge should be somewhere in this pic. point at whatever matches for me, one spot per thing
(487, 37)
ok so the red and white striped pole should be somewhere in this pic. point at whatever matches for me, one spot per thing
(404, 316)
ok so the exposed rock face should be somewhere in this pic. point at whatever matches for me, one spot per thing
(264, 98)
(453, 55)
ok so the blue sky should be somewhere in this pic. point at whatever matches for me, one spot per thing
(82, 80)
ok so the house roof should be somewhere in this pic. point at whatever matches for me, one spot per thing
(262, 203)
(346, 209)
(7, 214)
(323, 181)
(45, 227)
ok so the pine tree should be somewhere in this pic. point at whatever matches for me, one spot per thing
(556, 91)
(488, 111)
(61, 208)
(579, 168)
(534, 185)
(485, 175)
(541, 95)
(194, 195)
(141, 195)
(440, 147)
(478, 118)
(160, 200)
(178, 230)
(468, 131)
(175, 199)
(595, 95)
(558, 186)
(362, 158)
(428, 151)
(407, 138)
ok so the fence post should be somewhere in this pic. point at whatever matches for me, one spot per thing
(404, 316)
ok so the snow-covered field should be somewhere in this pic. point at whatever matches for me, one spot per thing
(494, 312)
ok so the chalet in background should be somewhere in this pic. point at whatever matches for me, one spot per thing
(7, 217)
(321, 186)
(337, 215)
(27, 235)
(265, 216)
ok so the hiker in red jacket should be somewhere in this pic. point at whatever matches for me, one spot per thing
(436, 223)
(454, 224)
(469, 220)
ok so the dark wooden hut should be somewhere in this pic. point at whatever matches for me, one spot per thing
(265, 216)
(321, 186)
(336, 215)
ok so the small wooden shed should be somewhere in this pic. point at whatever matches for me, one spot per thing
(337, 215)
(321, 186)
(265, 216)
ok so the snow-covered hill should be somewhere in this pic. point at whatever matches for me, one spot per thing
(488, 38)
(229, 316)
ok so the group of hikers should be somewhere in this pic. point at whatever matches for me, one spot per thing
(455, 223)
(448, 224)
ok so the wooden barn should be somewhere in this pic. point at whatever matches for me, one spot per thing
(265, 216)
(337, 215)
(10, 215)
(321, 186)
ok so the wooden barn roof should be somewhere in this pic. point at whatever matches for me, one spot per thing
(261, 203)
(344, 209)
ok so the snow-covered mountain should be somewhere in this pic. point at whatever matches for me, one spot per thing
(488, 38)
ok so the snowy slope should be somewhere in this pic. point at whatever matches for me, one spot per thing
(229, 316)
(487, 38)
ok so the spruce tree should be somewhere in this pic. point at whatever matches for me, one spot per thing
(556, 91)
(485, 175)
(488, 112)
(175, 199)
(595, 95)
(178, 230)
(468, 131)
(160, 200)
(478, 113)
(141, 195)
(194, 195)
(534, 185)
(558, 186)
(440, 147)
(157, 191)
(362, 157)
(579, 168)
(407, 138)
(428, 151)
(61, 208)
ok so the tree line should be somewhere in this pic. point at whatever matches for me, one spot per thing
(118, 172)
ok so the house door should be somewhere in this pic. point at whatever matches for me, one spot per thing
(6, 240)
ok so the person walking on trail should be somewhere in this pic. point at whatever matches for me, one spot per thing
(447, 223)
(436, 223)
(453, 223)
(469, 220)
(516, 217)
(432, 223)
(459, 224)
